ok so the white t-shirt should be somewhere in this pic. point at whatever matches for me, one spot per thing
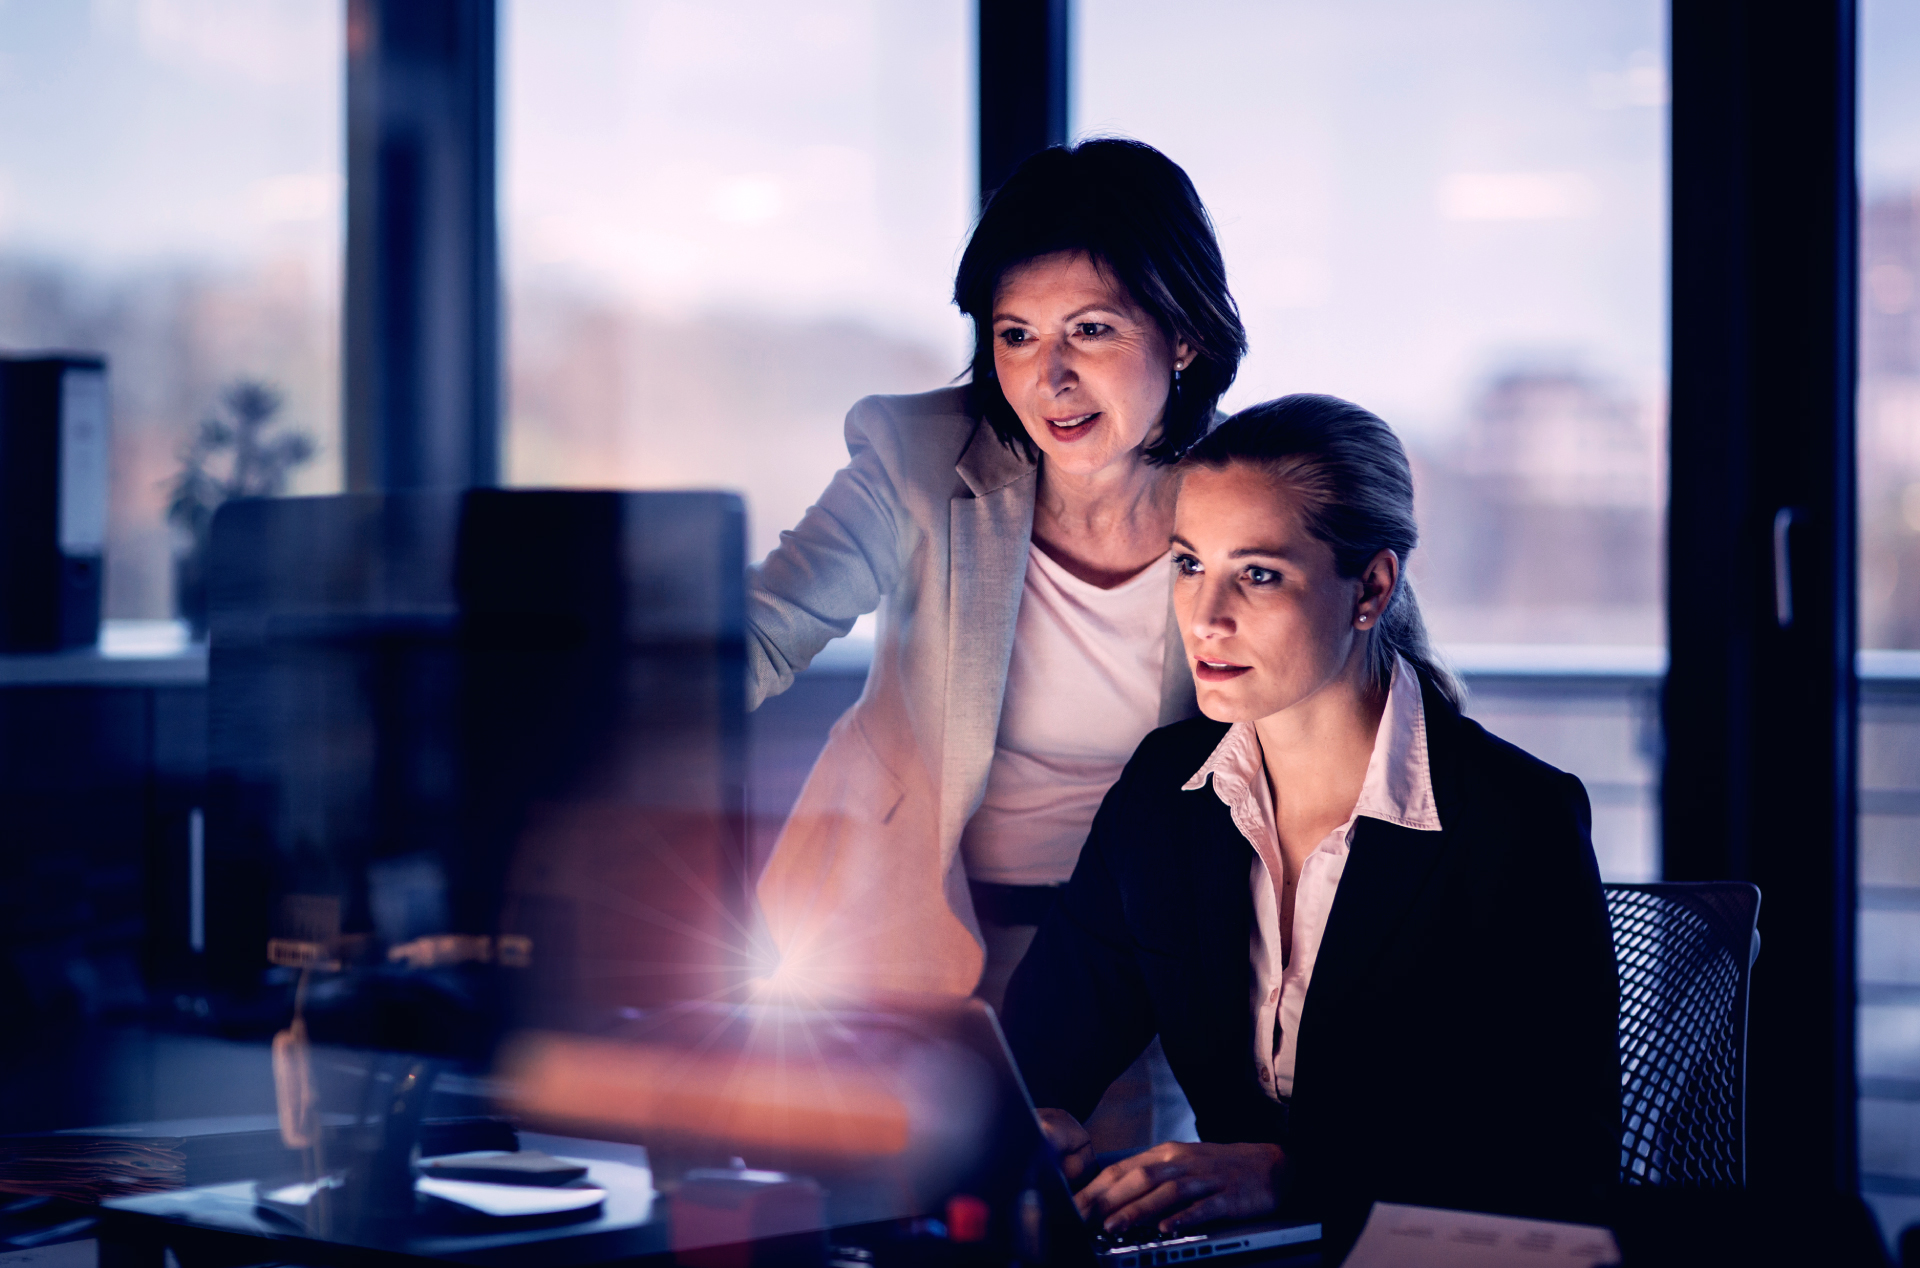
(1083, 689)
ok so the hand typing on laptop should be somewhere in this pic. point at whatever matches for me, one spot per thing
(1071, 1141)
(1170, 1186)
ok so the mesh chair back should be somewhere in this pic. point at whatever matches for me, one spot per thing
(1684, 952)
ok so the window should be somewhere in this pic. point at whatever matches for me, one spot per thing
(724, 225)
(1455, 216)
(1889, 456)
(170, 196)
(1889, 327)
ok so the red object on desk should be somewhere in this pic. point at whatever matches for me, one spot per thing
(967, 1218)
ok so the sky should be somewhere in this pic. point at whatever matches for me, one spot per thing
(804, 160)
(139, 131)
(1889, 96)
(1410, 195)
(1406, 191)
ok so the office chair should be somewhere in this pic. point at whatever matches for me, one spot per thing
(1684, 951)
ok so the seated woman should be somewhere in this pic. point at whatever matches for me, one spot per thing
(1369, 934)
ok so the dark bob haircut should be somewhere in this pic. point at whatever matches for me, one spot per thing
(1134, 212)
(1355, 489)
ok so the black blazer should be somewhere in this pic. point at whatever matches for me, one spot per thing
(1458, 1043)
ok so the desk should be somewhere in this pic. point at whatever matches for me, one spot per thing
(218, 1224)
(139, 1230)
(221, 1224)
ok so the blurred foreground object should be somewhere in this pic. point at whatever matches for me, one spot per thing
(717, 1211)
(53, 501)
(474, 754)
(228, 458)
(805, 1102)
(953, 1170)
(475, 762)
(904, 1109)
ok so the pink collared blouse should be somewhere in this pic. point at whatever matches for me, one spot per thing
(1398, 788)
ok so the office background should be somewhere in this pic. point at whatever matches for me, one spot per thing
(721, 224)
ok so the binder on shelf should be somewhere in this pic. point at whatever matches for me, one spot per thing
(53, 500)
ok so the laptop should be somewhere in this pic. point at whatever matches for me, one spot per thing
(937, 1122)
(1141, 1247)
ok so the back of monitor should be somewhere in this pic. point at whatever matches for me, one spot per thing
(492, 740)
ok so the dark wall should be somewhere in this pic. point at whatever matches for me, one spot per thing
(95, 787)
(96, 783)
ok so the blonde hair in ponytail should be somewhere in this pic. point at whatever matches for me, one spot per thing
(1356, 486)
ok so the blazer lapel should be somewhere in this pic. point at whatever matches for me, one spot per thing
(990, 526)
(1387, 869)
(1209, 1026)
(1221, 859)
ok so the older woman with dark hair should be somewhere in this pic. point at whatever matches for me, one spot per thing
(1013, 535)
(1369, 935)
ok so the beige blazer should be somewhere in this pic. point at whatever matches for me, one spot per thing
(929, 522)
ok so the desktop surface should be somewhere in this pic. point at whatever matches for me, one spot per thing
(629, 1223)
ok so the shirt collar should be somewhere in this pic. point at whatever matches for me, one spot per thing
(1399, 782)
(1235, 758)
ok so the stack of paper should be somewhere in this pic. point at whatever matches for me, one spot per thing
(1425, 1237)
(88, 1168)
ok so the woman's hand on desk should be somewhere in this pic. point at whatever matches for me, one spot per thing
(1179, 1184)
(1070, 1140)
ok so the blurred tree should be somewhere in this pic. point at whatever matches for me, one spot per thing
(230, 456)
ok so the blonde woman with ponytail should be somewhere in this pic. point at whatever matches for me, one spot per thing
(1369, 935)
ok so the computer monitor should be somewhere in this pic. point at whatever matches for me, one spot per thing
(476, 759)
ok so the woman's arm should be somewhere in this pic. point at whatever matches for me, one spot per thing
(1077, 1012)
(1536, 1057)
(831, 568)
(1566, 1007)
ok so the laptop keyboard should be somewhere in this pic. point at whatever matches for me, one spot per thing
(1141, 1237)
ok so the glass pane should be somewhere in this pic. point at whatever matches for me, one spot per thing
(725, 224)
(1455, 216)
(170, 196)
(1889, 453)
(1890, 326)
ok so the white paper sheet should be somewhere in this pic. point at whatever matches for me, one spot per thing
(510, 1199)
(1427, 1237)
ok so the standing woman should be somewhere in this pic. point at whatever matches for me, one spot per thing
(1013, 534)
